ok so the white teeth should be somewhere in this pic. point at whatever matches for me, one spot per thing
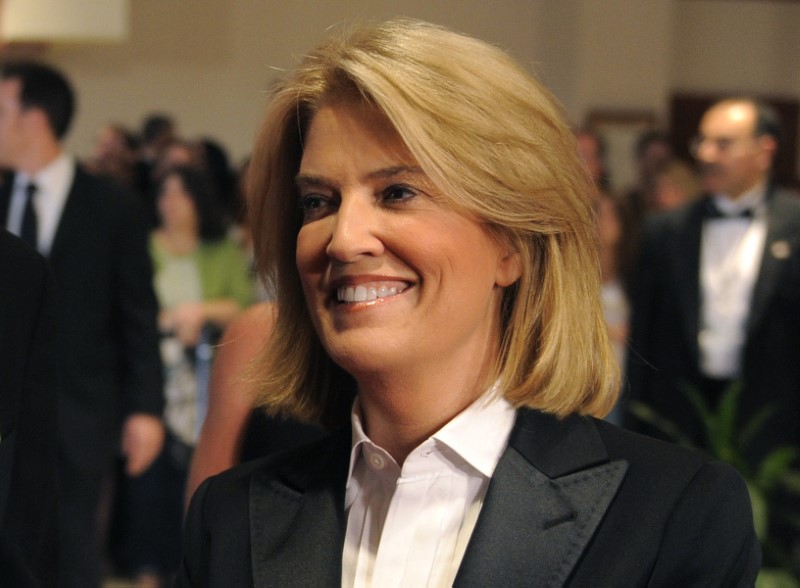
(363, 293)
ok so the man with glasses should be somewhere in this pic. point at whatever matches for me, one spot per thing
(716, 298)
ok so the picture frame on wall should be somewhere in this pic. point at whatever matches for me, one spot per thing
(620, 130)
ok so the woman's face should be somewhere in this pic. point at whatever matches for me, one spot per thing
(668, 194)
(175, 206)
(393, 278)
(609, 227)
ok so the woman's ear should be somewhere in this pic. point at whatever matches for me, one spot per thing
(509, 266)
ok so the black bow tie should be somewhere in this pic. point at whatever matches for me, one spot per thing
(712, 211)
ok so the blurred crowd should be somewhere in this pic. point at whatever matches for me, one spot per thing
(700, 276)
(193, 198)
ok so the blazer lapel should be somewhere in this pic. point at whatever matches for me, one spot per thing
(687, 271)
(779, 247)
(73, 218)
(297, 522)
(546, 498)
(6, 185)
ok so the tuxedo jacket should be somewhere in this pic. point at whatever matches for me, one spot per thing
(28, 409)
(573, 502)
(107, 344)
(666, 303)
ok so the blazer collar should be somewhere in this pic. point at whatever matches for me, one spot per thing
(686, 258)
(73, 217)
(545, 501)
(546, 498)
(297, 522)
(780, 247)
(6, 184)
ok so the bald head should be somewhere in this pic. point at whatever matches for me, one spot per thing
(734, 151)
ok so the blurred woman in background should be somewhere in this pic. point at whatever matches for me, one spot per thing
(202, 281)
(675, 184)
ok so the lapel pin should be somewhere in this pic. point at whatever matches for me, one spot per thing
(780, 249)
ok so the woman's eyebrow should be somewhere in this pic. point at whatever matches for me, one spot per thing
(396, 170)
(310, 179)
(383, 173)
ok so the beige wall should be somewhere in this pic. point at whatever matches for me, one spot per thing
(209, 62)
(725, 46)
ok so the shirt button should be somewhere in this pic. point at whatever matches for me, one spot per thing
(376, 461)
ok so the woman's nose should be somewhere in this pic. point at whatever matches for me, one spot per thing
(355, 230)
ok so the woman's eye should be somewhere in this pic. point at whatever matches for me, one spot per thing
(314, 206)
(397, 193)
(310, 202)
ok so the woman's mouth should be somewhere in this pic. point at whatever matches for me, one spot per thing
(369, 291)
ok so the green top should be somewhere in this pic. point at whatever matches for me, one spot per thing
(223, 267)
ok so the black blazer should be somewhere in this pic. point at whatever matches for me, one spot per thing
(574, 502)
(107, 343)
(666, 305)
(28, 410)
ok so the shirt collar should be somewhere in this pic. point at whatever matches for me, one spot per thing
(753, 199)
(478, 434)
(359, 436)
(54, 178)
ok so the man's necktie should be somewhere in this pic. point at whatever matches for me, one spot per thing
(29, 222)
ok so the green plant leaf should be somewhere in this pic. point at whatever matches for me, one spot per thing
(774, 467)
(759, 505)
(725, 443)
(698, 402)
(728, 412)
(709, 418)
(776, 578)
(644, 413)
(791, 482)
(755, 424)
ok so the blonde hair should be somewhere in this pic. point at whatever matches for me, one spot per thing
(494, 141)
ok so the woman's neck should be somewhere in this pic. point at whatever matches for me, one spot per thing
(608, 263)
(179, 240)
(400, 413)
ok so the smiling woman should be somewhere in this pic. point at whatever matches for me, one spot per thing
(376, 223)
(421, 205)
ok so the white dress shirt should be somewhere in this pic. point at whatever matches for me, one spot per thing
(410, 526)
(730, 259)
(52, 188)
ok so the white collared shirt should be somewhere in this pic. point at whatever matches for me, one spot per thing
(52, 188)
(730, 259)
(410, 526)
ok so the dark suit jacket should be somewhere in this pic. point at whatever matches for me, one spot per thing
(666, 317)
(576, 502)
(107, 340)
(28, 409)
